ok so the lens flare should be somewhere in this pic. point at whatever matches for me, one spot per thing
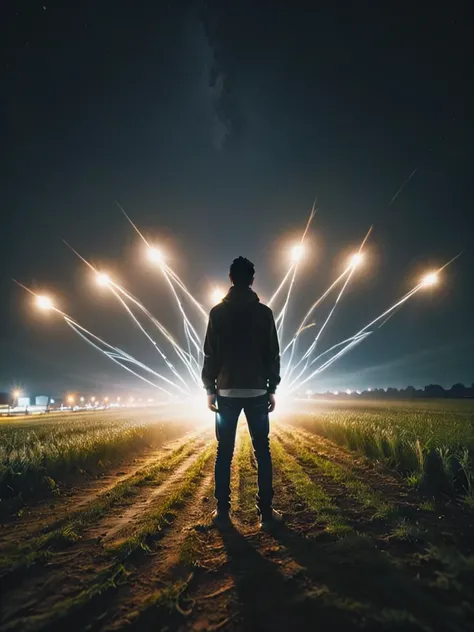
(155, 255)
(297, 252)
(44, 302)
(103, 279)
(216, 295)
(430, 279)
(356, 259)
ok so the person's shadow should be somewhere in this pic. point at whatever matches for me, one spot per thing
(268, 599)
(353, 575)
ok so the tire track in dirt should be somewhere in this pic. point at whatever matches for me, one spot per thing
(190, 555)
(132, 605)
(50, 514)
(72, 570)
(20, 556)
(115, 523)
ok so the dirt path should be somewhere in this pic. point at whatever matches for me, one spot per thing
(356, 552)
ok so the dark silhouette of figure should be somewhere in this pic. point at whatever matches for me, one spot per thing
(241, 372)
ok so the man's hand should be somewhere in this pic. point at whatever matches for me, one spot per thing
(271, 402)
(211, 403)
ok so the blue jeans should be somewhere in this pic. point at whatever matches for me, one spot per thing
(256, 412)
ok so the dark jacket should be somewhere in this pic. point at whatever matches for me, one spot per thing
(241, 348)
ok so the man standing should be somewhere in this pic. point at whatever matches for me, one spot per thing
(241, 371)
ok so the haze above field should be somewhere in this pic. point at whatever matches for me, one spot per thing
(216, 129)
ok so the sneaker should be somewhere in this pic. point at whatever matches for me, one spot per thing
(271, 519)
(220, 519)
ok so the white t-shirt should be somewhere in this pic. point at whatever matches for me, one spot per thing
(241, 392)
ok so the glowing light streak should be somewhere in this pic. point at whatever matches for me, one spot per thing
(279, 321)
(354, 262)
(115, 286)
(154, 343)
(328, 363)
(117, 355)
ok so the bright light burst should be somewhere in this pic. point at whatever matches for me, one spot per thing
(297, 253)
(103, 279)
(216, 295)
(430, 279)
(155, 255)
(356, 259)
(298, 368)
(44, 302)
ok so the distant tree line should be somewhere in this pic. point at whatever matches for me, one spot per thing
(432, 391)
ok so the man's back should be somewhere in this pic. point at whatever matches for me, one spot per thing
(241, 348)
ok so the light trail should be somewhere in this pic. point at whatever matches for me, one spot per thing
(181, 353)
(114, 356)
(191, 334)
(282, 284)
(355, 260)
(166, 268)
(81, 331)
(402, 187)
(279, 321)
(354, 341)
(180, 283)
(303, 326)
(107, 281)
(154, 343)
(357, 336)
(192, 337)
(313, 345)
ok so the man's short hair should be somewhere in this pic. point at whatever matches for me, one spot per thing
(242, 272)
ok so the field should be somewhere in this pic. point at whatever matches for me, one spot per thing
(105, 522)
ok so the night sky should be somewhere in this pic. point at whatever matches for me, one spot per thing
(216, 125)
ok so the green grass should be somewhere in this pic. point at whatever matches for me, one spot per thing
(431, 443)
(69, 530)
(38, 454)
(161, 603)
(358, 490)
(312, 494)
(108, 581)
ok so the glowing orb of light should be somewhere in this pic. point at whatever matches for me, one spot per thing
(70, 399)
(155, 255)
(44, 302)
(297, 252)
(16, 393)
(103, 279)
(356, 259)
(216, 295)
(430, 279)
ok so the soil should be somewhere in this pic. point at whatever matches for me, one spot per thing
(300, 576)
